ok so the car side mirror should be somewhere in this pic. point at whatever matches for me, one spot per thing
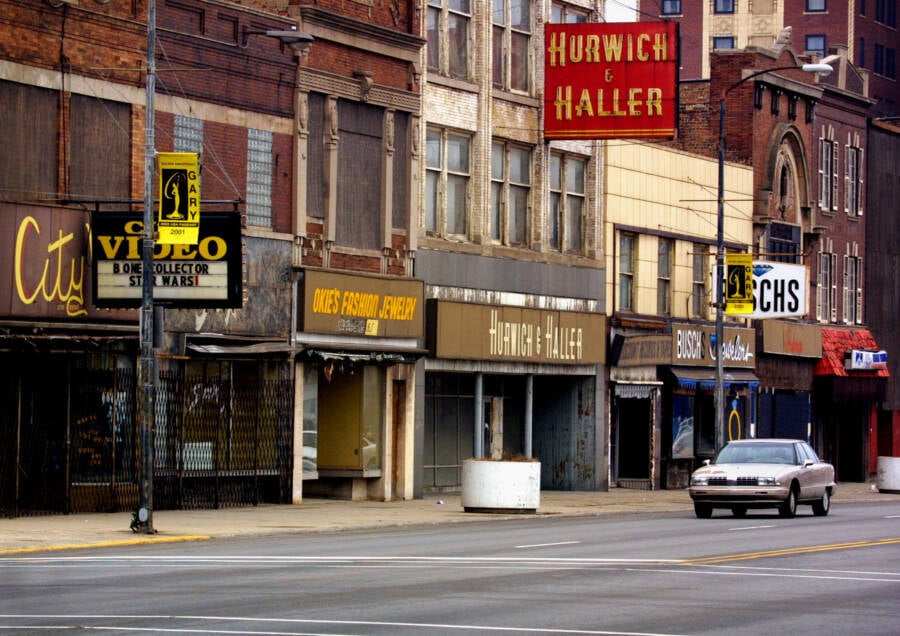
(807, 463)
(707, 462)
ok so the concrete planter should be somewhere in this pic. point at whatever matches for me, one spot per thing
(501, 486)
(888, 479)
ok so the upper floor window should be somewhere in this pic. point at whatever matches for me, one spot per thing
(720, 43)
(699, 263)
(561, 13)
(816, 44)
(567, 202)
(259, 177)
(852, 311)
(886, 12)
(826, 290)
(447, 34)
(878, 59)
(626, 271)
(723, 6)
(816, 5)
(853, 180)
(828, 179)
(188, 134)
(510, 44)
(862, 52)
(665, 251)
(671, 7)
(510, 193)
(446, 182)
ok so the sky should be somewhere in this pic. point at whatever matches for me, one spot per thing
(620, 10)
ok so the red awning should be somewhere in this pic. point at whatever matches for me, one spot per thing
(836, 343)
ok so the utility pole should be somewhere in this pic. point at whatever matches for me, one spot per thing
(143, 521)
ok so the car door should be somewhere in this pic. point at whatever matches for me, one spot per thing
(811, 477)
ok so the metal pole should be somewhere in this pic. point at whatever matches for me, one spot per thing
(719, 396)
(143, 521)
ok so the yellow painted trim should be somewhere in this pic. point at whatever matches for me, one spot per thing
(108, 544)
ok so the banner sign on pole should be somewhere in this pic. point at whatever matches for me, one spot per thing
(179, 198)
(738, 284)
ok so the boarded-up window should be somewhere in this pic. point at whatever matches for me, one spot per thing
(360, 160)
(100, 164)
(400, 212)
(315, 166)
(28, 117)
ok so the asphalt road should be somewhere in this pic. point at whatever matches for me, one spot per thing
(622, 574)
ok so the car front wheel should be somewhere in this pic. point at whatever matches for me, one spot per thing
(822, 506)
(788, 508)
(703, 511)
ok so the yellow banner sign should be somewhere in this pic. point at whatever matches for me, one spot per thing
(738, 283)
(179, 198)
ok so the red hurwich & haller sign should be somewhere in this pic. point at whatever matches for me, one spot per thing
(610, 80)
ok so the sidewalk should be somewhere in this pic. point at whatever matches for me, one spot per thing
(59, 532)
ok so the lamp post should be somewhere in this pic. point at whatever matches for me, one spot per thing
(719, 395)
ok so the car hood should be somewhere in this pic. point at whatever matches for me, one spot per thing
(739, 470)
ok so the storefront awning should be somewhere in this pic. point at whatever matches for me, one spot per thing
(639, 390)
(836, 344)
(704, 378)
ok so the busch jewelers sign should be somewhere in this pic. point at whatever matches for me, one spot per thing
(610, 80)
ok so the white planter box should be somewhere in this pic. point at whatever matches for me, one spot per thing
(888, 479)
(501, 486)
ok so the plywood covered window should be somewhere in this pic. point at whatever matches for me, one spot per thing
(360, 160)
(28, 117)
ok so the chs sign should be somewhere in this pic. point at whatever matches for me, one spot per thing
(779, 290)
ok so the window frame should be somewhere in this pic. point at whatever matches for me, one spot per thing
(821, 8)
(852, 310)
(665, 253)
(812, 38)
(562, 194)
(670, 7)
(449, 51)
(699, 273)
(258, 205)
(828, 171)
(505, 57)
(718, 39)
(443, 173)
(826, 287)
(723, 6)
(625, 278)
(502, 200)
(560, 12)
(854, 186)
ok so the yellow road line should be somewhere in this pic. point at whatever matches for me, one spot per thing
(746, 556)
(108, 544)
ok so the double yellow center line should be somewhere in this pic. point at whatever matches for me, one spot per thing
(746, 556)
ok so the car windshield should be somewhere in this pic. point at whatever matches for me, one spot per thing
(775, 453)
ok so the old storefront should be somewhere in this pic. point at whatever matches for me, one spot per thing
(358, 337)
(662, 417)
(507, 380)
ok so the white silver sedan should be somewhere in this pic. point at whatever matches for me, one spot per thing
(763, 473)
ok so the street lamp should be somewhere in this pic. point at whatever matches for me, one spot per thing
(719, 395)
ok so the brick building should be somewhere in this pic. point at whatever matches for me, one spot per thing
(867, 30)
(312, 155)
(510, 252)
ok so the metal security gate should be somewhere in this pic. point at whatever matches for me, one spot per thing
(69, 439)
(221, 442)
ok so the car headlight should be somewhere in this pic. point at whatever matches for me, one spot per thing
(699, 480)
(767, 481)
